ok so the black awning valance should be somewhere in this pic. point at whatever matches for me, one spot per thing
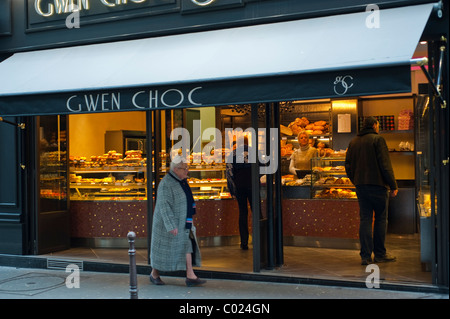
(334, 84)
(330, 56)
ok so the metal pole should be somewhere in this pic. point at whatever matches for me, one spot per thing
(256, 209)
(279, 255)
(269, 191)
(133, 274)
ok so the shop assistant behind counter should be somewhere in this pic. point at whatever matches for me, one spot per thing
(301, 158)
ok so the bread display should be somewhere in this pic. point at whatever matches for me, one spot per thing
(133, 158)
(304, 125)
(336, 193)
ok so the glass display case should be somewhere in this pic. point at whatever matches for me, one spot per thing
(208, 182)
(110, 176)
(329, 179)
(108, 184)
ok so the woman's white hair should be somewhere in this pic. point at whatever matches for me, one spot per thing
(176, 161)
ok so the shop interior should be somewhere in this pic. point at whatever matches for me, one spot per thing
(107, 191)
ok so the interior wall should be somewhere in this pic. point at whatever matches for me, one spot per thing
(87, 131)
(402, 162)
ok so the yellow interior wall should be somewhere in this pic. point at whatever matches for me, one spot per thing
(87, 131)
(402, 163)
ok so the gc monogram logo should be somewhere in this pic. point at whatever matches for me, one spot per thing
(342, 84)
(203, 3)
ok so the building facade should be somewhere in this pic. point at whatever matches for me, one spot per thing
(69, 70)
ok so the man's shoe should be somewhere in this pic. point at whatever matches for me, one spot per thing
(157, 281)
(366, 261)
(385, 259)
(194, 282)
(244, 246)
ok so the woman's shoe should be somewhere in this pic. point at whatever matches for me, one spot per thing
(157, 281)
(194, 282)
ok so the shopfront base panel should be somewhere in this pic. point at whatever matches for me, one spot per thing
(107, 223)
(321, 218)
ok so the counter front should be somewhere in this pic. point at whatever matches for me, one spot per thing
(306, 222)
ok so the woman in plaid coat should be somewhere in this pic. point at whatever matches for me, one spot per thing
(174, 244)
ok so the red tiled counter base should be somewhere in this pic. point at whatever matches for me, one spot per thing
(218, 218)
(315, 218)
(321, 218)
(91, 219)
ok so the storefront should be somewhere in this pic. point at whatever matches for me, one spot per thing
(98, 115)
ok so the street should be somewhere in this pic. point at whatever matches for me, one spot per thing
(26, 283)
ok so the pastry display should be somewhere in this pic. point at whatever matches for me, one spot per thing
(336, 193)
(112, 158)
(303, 124)
(331, 180)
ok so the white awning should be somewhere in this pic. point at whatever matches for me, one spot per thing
(341, 42)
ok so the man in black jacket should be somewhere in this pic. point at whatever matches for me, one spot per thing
(369, 168)
(239, 179)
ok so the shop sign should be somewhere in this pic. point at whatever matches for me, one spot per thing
(50, 8)
(53, 13)
(139, 100)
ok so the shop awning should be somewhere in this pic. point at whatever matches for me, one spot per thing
(335, 56)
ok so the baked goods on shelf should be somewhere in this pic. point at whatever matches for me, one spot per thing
(336, 193)
(132, 158)
(303, 124)
(330, 180)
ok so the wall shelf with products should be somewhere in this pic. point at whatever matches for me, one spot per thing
(400, 137)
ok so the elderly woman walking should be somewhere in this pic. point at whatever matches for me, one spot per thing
(174, 244)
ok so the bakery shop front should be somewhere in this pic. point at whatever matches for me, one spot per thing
(97, 122)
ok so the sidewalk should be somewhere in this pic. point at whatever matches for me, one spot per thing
(26, 283)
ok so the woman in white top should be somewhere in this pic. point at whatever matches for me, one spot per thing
(301, 158)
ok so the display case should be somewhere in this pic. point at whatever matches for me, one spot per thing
(329, 179)
(208, 182)
(108, 183)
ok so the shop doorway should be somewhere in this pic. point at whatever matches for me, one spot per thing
(52, 230)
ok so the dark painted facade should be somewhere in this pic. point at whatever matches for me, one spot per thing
(31, 25)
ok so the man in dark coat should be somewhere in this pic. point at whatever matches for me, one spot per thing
(239, 178)
(369, 168)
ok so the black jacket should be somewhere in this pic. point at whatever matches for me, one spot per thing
(367, 161)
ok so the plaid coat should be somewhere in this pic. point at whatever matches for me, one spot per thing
(168, 252)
